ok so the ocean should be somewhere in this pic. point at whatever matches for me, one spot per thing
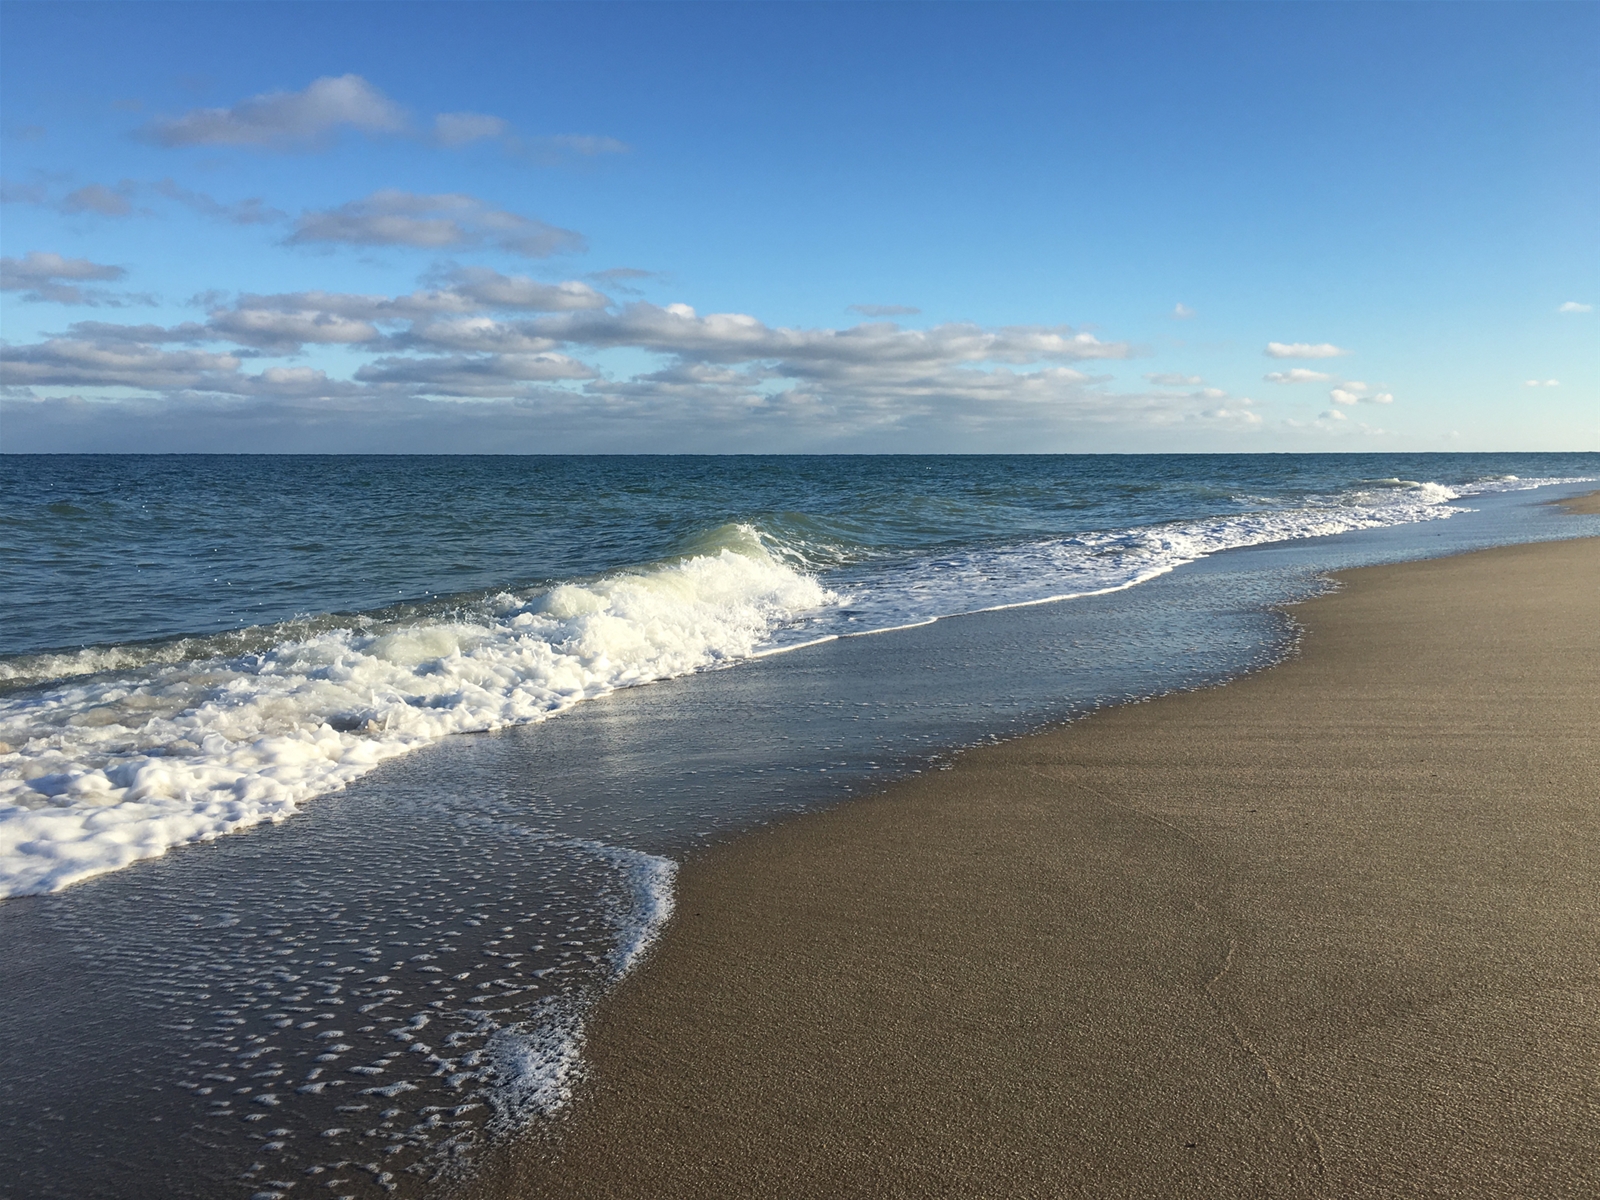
(336, 791)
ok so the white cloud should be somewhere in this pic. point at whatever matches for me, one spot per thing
(475, 334)
(1354, 391)
(1181, 312)
(885, 310)
(448, 221)
(310, 119)
(1297, 375)
(736, 337)
(1303, 350)
(1333, 415)
(46, 277)
(286, 120)
(491, 376)
(103, 331)
(1572, 306)
(490, 289)
(69, 362)
(521, 345)
(1545, 383)
(287, 331)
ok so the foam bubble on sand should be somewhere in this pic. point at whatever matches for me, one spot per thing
(104, 770)
(535, 1064)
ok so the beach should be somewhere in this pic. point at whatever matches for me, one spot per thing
(1328, 930)
(455, 824)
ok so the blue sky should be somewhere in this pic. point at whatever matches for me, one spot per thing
(796, 227)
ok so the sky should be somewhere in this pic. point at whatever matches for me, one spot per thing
(849, 227)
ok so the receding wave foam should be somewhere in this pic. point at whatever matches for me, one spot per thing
(535, 1063)
(107, 769)
(926, 588)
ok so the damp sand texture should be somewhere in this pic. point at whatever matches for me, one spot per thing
(1330, 930)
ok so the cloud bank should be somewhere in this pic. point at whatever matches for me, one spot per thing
(476, 350)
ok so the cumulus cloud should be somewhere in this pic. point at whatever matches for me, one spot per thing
(1354, 391)
(476, 334)
(45, 277)
(477, 376)
(1181, 312)
(447, 316)
(449, 221)
(485, 339)
(1572, 306)
(287, 331)
(1303, 350)
(105, 331)
(1297, 375)
(490, 289)
(285, 120)
(737, 337)
(885, 310)
(1173, 379)
(312, 118)
(74, 362)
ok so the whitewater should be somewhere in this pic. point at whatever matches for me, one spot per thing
(114, 754)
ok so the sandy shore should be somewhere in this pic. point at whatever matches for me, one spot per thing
(1588, 504)
(1331, 930)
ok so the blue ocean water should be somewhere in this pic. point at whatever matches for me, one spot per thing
(99, 550)
(360, 995)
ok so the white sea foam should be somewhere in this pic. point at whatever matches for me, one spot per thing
(127, 751)
(111, 768)
(535, 1064)
(928, 588)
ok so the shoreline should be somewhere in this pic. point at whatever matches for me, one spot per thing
(1327, 930)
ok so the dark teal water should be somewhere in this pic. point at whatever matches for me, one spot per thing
(105, 549)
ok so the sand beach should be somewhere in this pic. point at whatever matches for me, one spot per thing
(1330, 930)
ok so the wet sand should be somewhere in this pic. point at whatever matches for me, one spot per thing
(1330, 930)
(1587, 504)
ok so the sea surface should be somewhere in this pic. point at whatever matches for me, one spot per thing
(335, 791)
